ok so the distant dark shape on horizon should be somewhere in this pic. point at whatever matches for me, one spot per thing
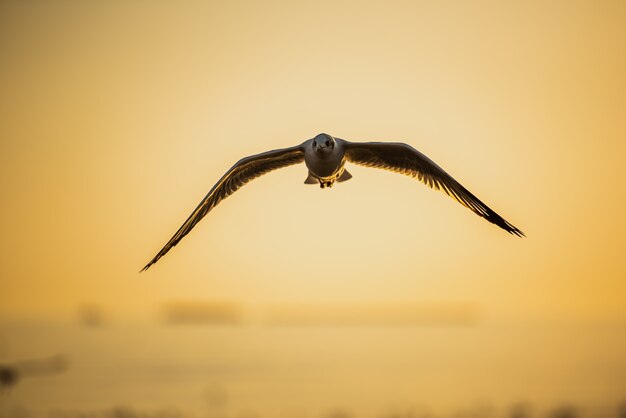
(565, 411)
(621, 409)
(8, 376)
(11, 374)
(325, 158)
(521, 410)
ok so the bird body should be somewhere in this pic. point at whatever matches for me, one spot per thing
(325, 158)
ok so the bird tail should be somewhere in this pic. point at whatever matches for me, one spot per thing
(311, 180)
(345, 176)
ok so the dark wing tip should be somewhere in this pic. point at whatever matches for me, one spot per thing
(147, 266)
(511, 229)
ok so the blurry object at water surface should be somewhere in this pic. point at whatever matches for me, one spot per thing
(406, 412)
(8, 376)
(91, 316)
(324, 314)
(11, 374)
(565, 411)
(120, 412)
(217, 401)
(216, 396)
(621, 409)
(340, 413)
(480, 410)
(202, 313)
(375, 314)
(520, 410)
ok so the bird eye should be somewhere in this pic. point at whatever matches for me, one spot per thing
(314, 144)
(328, 142)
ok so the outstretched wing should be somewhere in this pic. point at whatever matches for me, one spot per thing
(241, 173)
(404, 159)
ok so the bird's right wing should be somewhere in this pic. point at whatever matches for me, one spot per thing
(239, 174)
(404, 159)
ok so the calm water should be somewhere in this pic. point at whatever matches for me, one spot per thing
(248, 371)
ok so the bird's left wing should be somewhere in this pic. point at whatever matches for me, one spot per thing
(404, 159)
(239, 174)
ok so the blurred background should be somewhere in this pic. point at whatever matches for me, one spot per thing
(376, 298)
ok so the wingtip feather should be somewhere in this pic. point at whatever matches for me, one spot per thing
(514, 231)
(147, 266)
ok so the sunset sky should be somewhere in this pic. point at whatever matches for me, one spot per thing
(118, 117)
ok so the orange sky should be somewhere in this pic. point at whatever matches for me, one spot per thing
(117, 117)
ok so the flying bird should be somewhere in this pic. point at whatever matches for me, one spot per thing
(325, 158)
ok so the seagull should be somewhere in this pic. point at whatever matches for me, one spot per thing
(325, 158)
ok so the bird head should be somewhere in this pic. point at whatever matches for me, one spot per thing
(323, 144)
